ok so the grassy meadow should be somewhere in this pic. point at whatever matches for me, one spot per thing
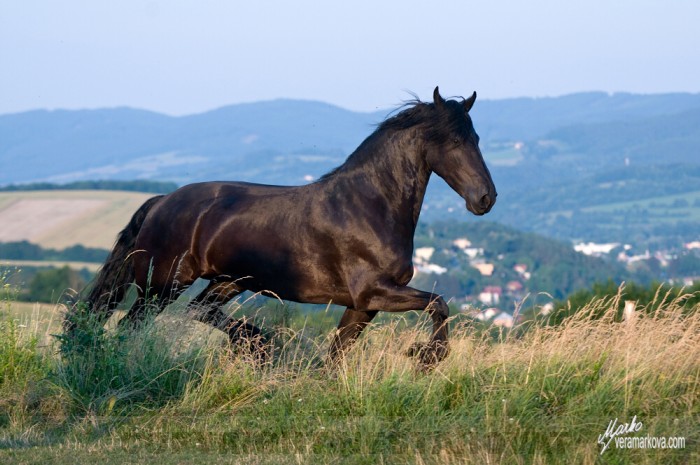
(176, 393)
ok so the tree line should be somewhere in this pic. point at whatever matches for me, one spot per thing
(141, 185)
(24, 250)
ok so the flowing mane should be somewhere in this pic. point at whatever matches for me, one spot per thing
(439, 123)
(411, 114)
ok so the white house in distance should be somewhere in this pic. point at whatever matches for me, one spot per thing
(486, 269)
(514, 287)
(496, 317)
(431, 268)
(521, 269)
(473, 252)
(423, 254)
(504, 319)
(486, 314)
(462, 243)
(465, 245)
(596, 250)
(421, 260)
(491, 295)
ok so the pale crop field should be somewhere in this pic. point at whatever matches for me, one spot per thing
(60, 219)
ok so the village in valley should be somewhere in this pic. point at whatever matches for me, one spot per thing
(504, 284)
(486, 305)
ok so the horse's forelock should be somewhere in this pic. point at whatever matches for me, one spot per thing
(439, 123)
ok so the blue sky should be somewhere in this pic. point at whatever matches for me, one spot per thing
(180, 57)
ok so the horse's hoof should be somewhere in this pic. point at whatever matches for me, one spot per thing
(429, 354)
(415, 349)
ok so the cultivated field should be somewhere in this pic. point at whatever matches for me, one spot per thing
(662, 209)
(171, 394)
(59, 219)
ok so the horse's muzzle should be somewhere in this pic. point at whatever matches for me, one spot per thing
(482, 204)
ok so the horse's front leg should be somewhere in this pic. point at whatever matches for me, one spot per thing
(395, 298)
(351, 325)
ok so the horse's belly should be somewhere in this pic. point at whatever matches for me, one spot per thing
(289, 275)
(297, 287)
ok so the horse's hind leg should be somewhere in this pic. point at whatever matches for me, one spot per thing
(144, 306)
(157, 287)
(206, 308)
(351, 325)
(151, 303)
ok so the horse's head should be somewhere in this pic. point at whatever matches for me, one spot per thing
(453, 153)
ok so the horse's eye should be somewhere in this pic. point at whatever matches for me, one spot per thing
(456, 140)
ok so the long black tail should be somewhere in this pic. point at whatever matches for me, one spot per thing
(118, 272)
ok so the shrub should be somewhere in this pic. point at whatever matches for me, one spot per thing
(49, 285)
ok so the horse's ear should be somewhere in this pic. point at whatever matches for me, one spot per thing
(437, 99)
(469, 103)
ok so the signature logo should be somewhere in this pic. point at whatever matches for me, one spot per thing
(615, 430)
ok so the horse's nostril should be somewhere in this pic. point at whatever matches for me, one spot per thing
(485, 201)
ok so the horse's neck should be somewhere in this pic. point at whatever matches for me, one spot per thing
(391, 168)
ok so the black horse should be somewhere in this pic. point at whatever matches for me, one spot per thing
(346, 238)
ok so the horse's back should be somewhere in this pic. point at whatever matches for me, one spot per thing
(195, 208)
(235, 229)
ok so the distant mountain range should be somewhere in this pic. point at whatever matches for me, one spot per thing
(539, 150)
(280, 141)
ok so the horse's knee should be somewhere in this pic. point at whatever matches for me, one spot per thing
(438, 308)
